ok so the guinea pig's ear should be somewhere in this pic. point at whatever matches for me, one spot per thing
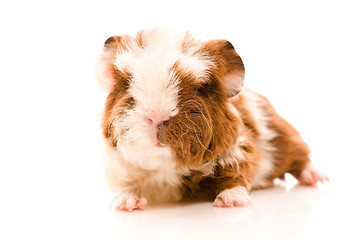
(230, 65)
(113, 43)
(104, 66)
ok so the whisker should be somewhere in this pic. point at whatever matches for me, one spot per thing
(196, 132)
(182, 137)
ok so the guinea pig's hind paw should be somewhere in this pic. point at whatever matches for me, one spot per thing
(128, 202)
(234, 197)
(311, 176)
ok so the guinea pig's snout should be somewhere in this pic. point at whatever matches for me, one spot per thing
(157, 122)
(163, 124)
(161, 128)
(157, 119)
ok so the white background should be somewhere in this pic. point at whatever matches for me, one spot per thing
(303, 55)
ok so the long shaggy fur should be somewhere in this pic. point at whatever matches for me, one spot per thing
(176, 123)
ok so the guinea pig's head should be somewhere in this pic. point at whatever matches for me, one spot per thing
(169, 94)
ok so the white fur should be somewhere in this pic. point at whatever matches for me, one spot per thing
(206, 169)
(235, 154)
(233, 109)
(156, 38)
(197, 65)
(266, 165)
(102, 77)
(152, 176)
(233, 82)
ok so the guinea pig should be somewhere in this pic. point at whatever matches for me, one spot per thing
(177, 124)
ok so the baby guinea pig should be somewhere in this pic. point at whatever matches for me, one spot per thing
(177, 124)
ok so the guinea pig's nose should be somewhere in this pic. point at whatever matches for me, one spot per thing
(158, 119)
(164, 123)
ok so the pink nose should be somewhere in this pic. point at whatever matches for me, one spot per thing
(157, 121)
(157, 118)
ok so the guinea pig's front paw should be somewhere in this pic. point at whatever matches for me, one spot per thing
(234, 197)
(128, 202)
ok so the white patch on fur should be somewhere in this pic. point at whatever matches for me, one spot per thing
(266, 165)
(102, 75)
(235, 154)
(233, 82)
(233, 109)
(157, 38)
(149, 174)
(200, 68)
(206, 169)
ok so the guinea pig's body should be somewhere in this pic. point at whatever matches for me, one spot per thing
(177, 124)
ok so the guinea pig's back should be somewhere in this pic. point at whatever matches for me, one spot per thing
(280, 147)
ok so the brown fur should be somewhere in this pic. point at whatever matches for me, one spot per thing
(208, 103)
(199, 104)
(291, 154)
(118, 100)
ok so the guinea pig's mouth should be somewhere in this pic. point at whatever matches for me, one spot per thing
(160, 145)
(159, 141)
(160, 136)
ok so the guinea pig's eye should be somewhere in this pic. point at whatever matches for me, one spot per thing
(201, 90)
(195, 112)
(198, 89)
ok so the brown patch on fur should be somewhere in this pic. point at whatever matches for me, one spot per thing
(113, 42)
(122, 43)
(227, 58)
(204, 126)
(240, 173)
(228, 63)
(205, 130)
(291, 153)
(193, 186)
(118, 101)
